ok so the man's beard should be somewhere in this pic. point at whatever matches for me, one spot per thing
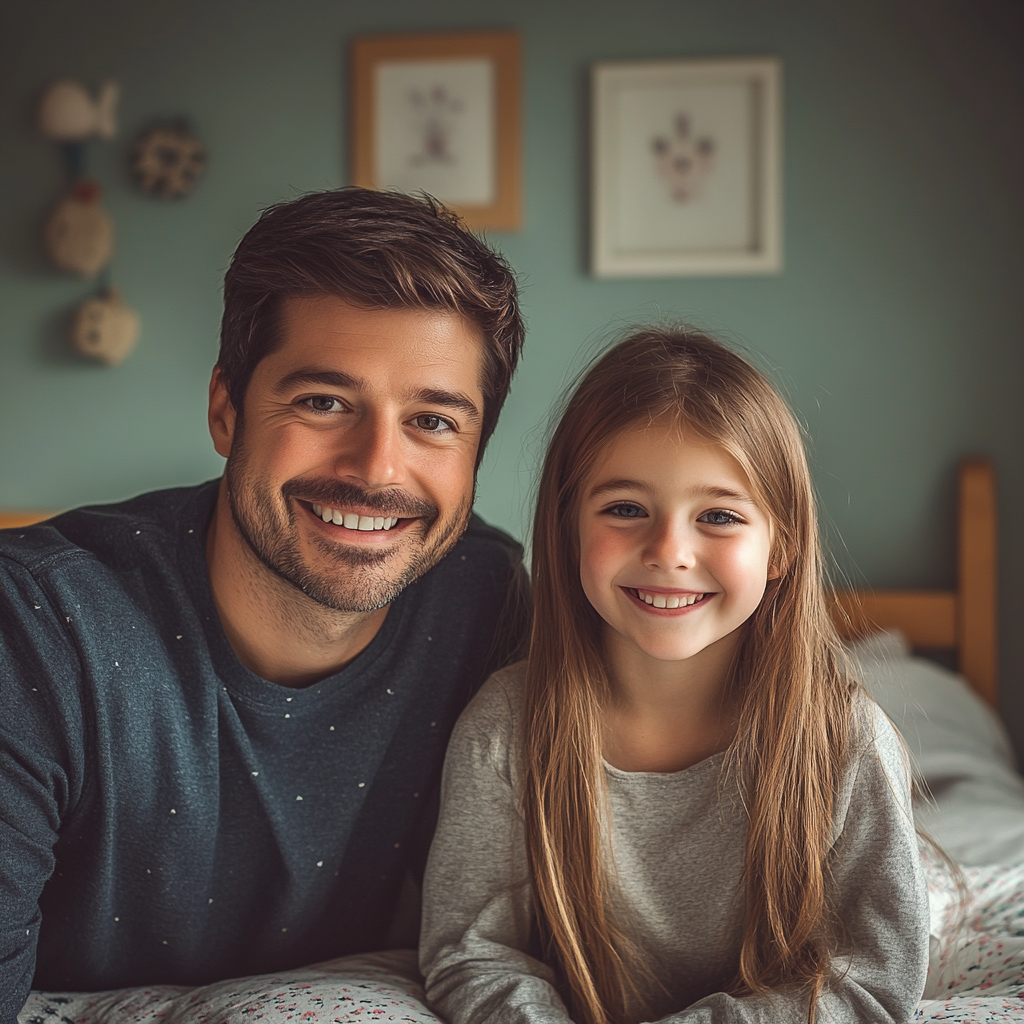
(347, 579)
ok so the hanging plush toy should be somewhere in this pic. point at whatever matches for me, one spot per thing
(67, 113)
(80, 234)
(105, 328)
(168, 160)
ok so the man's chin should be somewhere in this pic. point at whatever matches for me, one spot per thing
(366, 580)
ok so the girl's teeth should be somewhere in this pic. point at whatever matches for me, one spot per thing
(669, 600)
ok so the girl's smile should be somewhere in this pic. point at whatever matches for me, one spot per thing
(674, 550)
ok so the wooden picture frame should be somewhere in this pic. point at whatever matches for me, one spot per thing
(441, 114)
(687, 168)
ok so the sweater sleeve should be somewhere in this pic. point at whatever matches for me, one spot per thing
(40, 768)
(475, 946)
(881, 900)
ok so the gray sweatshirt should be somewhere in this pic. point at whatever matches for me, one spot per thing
(677, 845)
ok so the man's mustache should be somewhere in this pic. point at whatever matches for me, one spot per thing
(336, 494)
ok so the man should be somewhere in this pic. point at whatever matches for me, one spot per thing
(226, 707)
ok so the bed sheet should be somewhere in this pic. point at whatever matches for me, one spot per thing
(971, 801)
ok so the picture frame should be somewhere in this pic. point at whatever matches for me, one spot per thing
(686, 168)
(441, 114)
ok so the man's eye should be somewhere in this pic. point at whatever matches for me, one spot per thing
(432, 424)
(626, 510)
(719, 517)
(322, 403)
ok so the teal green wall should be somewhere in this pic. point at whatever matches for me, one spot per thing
(895, 328)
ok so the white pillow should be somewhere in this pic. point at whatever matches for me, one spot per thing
(973, 802)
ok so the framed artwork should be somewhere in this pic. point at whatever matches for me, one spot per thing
(687, 175)
(441, 114)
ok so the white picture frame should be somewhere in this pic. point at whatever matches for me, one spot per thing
(686, 168)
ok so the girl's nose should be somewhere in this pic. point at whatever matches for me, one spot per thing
(670, 545)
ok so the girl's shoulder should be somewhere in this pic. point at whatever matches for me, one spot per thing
(877, 767)
(872, 733)
(486, 730)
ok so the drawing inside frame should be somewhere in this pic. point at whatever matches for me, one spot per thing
(441, 114)
(686, 168)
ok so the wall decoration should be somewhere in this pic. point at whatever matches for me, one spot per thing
(168, 160)
(105, 329)
(79, 234)
(441, 114)
(686, 168)
(67, 113)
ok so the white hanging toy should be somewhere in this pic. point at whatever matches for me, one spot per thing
(67, 113)
(79, 233)
(105, 328)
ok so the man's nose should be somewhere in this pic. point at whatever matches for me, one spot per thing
(371, 453)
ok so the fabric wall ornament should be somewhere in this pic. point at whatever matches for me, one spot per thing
(67, 113)
(168, 160)
(79, 234)
(105, 329)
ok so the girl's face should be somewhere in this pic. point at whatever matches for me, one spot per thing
(673, 549)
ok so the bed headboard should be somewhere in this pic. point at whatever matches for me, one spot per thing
(8, 520)
(963, 620)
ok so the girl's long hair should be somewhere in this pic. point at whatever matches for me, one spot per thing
(792, 694)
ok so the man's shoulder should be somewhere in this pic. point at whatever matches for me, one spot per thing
(112, 533)
(486, 538)
(484, 557)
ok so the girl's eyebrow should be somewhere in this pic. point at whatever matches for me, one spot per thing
(716, 493)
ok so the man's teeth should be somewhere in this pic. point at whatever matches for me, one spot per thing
(669, 600)
(352, 521)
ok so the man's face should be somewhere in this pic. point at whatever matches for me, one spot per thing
(351, 473)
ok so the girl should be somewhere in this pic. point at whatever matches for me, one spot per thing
(681, 806)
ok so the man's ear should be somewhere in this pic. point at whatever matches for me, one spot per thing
(221, 415)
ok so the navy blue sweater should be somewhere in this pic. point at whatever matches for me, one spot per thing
(167, 816)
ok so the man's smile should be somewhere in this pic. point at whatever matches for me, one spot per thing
(354, 520)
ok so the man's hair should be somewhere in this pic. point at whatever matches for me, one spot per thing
(380, 250)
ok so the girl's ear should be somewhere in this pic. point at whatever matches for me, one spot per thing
(778, 563)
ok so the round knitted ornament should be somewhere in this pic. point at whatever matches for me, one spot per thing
(79, 235)
(168, 161)
(105, 329)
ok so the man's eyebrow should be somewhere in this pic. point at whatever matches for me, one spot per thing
(311, 377)
(308, 375)
(454, 400)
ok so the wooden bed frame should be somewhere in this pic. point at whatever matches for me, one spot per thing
(964, 620)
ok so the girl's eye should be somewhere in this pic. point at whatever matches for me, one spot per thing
(322, 404)
(625, 510)
(432, 424)
(719, 517)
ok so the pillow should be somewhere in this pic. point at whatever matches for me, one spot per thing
(972, 799)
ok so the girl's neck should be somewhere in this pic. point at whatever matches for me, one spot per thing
(667, 716)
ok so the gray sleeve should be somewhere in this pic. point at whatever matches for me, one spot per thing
(477, 905)
(882, 903)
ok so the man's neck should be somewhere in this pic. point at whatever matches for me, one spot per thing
(274, 629)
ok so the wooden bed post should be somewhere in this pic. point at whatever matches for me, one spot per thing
(977, 630)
